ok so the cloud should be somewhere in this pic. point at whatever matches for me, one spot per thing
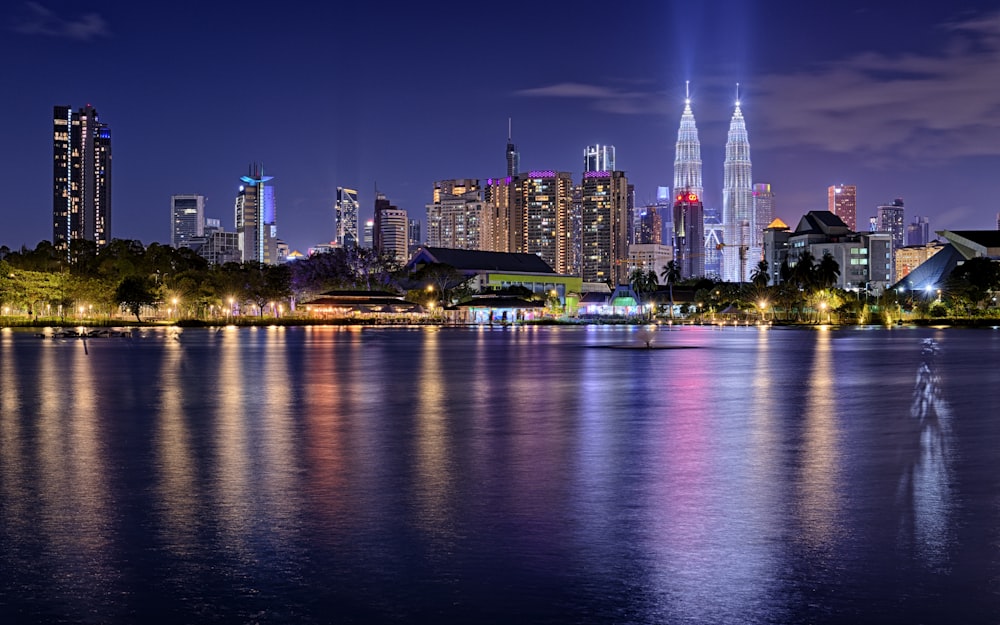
(881, 108)
(39, 20)
(607, 99)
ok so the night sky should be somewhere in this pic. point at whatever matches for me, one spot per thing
(900, 98)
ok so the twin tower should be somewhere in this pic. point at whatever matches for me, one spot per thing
(741, 233)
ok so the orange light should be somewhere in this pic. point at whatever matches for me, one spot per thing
(692, 197)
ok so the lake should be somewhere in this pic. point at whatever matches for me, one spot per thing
(477, 475)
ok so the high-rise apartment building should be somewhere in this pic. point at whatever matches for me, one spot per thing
(81, 189)
(605, 225)
(498, 193)
(599, 158)
(689, 238)
(738, 223)
(649, 226)
(842, 201)
(687, 155)
(187, 219)
(256, 218)
(891, 219)
(541, 209)
(346, 217)
(456, 218)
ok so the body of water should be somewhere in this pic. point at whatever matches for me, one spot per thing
(536, 475)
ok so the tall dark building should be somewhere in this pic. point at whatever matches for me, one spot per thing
(513, 156)
(689, 237)
(81, 189)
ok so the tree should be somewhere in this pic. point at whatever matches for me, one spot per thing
(133, 293)
(759, 275)
(803, 272)
(671, 273)
(827, 271)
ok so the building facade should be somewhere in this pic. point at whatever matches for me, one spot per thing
(689, 237)
(541, 210)
(346, 209)
(187, 219)
(256, 218)
(605, 223)
(599, 158)
(391, 233)
(81, 189)
(687, 153)
(842, 201)
(457, 216)
(740, 252)
(763, 212)
(918, 232)
(649, 257)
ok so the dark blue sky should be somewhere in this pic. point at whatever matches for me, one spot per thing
(904, 102)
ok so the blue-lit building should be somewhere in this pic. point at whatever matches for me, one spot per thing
(256, 218)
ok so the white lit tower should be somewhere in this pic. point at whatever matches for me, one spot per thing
(687, 158)
(740, 254)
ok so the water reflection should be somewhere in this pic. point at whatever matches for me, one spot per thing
(924, 489)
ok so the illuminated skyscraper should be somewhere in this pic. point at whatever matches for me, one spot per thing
(740, 253)
(687, 157)
(544, 200)
(256, 218)
(346, 217)
(605, 224)
(81, 189)
(891, 219)
(763, 212)
(456, 217)
(842, 201)
(187, 217)
(513, 156)
(599, 158)
(689, 239)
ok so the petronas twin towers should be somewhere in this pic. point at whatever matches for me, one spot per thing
(739, 253)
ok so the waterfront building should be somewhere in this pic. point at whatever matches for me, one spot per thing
(864, 259)
(187, 219)
(604, 221)
(81, 188)
(390, 229)
(540, 214)
(842, 201)
(959, 246)
(687, 154)
(346, 210)
(918, 232)
(688, 236)
(910, 257)
(740, 252)
(256, 218)
(599, 158)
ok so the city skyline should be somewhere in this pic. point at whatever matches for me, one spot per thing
(835, 98)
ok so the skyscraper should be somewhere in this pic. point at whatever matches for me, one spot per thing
(391, 229)
(543, 199)
(689, 238)
(513, 156)
(599, 158)
(256, 214)
(187, 217)
(457, 215)
(763, 212)
(891, 220)
(842, 201)
(918, 232)
(81, 189)
(346, 217)
(687, 157)
(605, 224)
(740, 251)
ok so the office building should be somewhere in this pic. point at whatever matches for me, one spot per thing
(649, 257)
(891, 220)
(714, 238)
(689, 236)
(346, 217)
(187, 217)
(413, 233)
(81, 189)
(369, 234)
(687, 154)
(910, 257)
(392, 233)
(649, 226)
(740, 253)
(763, 212)
(513, 156)
(842, 201)
(605, 223)
(256, 218)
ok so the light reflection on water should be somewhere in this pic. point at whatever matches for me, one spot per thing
(538, 474)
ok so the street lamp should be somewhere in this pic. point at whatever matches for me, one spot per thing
(763, 309)
(822, 308)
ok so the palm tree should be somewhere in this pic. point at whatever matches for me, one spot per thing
(803, 273)
(759, 275)
(827, 271)
(671, 273)
(643, 282)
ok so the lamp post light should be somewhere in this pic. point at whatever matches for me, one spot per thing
(763, 310)
(822, 308)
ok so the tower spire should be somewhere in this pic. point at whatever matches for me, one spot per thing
(687, 91)
(687, 155)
